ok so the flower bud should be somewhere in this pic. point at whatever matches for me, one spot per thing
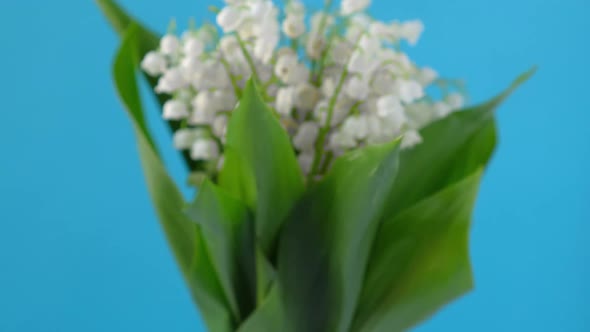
(193, 47)
(184, 138)
(169, 45)
(306, 135)
(154, 63)
(411, 138)
(204, 149)
(353, 6)
(294, 26)
(175, 110)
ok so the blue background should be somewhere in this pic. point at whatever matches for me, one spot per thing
(81, 250)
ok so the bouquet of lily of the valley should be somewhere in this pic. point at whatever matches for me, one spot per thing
(336, 178)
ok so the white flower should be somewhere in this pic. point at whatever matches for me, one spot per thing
(226, 100)
(293, 26)
(230, 46)
(172, 80)
(409, 91)
(211, 75)
(219, 126)
(341, 52)
(426, 76)
(391, 106)
(285, 100)
(154, 63)
(359, 62)
(341, 140)
(286, 64)
(318, 18)
(357, 88)
(299, 75)
(230, 18)
(381, 97)
(295, 8)
(455, 101)
(193, 47)
(204, 149)
(306, 96)
(205, 105)
(184, 138)
(169, 45)
(315, 45)
(306, 136)
(206, 100)
(175, 110)
(352, 6)
(442, 109)
(356, 126)
(305, 162)
(411, 138)
(382, 83)
(411, 31)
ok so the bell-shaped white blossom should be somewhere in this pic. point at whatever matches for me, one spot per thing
(411, 31)
(409, 90)
(285, 100)
(154, 63)
(411, 138)
(352, 6)
(169, 45)
(391, 106)
(184, 138)
(342, 140)
(172, 81)
(230, 18)
(381, 97)
(219, 126)
(204, 149)
(357, 88)
(293, 26)
(175, 110)
(455, 101)
(306, 135)
(427, 76)
(315, 45)
(193, 47)
(306, 96)
(305, 161)
(285, 66)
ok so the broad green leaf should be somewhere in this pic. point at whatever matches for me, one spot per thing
(420, 261)
(269, 317)
(266, 166)
(326, 241)
(453, 148)
(183, 236)
(228, 233)
(147, 41)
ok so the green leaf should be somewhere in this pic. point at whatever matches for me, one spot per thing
(269, 317)
(453, 148)
(229, 237)
(183, 235)
(262, 170)
(420, 261)
(325, 245)
(147, 41)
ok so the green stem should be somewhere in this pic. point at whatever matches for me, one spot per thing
(324, 131)
(319, 146)
(234, 83)
(323, 22)
(248, 58)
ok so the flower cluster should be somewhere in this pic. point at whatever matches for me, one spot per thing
(338, 80)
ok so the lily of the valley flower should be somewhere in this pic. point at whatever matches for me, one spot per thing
(347, 67)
